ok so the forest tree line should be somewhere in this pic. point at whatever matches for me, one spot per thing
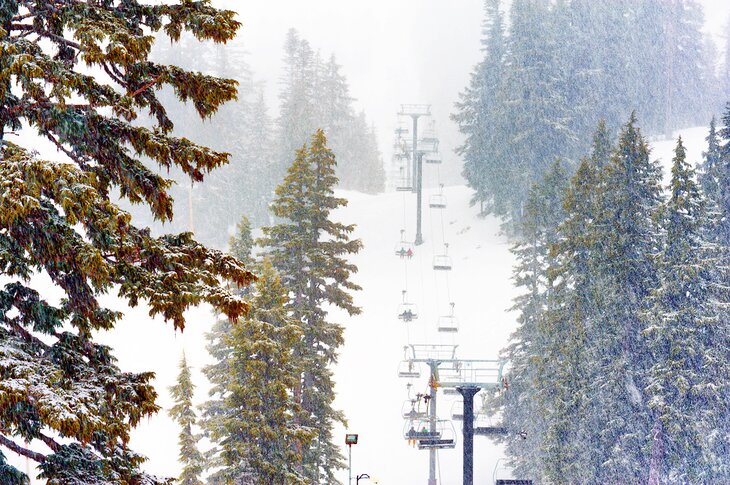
(621, 361)
(551, 69)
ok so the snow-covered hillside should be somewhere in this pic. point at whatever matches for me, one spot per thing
(369, 390)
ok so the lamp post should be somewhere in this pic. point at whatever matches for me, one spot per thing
(350, 439)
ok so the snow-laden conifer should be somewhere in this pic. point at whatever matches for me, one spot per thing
(78, 74)
(311, 252)
(184, 414)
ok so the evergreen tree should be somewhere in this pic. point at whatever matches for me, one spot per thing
(531, 354)
(711, 165)
(184, 414)
(685, 390)
(241, 245)
(309, 251)
(576, 286)
(722, 196)
(626, 207)
(538, 90)
(256, 433)
(57, 386)
(315, 93)
(477, 107)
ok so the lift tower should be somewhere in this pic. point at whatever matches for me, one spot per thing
(415, 111)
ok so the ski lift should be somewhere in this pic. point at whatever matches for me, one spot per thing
(420, 429)
(403, 184)
(412, 411)
(437, 201)
(433, 158)
(457, 410)
(407, 311)
(448, 323)
(404, 249)
(409, 369)
(446, 436)
(442, 262)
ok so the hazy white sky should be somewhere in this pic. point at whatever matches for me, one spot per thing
(392, 51)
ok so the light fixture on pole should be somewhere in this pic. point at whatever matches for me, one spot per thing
(350, 439)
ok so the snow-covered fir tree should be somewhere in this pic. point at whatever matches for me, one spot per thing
(184, 415)
(254, 428)
(310, 252)
(58, 387)
(686, 385)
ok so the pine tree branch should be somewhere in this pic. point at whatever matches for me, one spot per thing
(13, 446)
(44, 33)
(146, 86)
(50, 442)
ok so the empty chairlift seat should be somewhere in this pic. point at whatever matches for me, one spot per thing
(448, 323)
(433, 158)
(409, 369)
(414, 410)
(442, 262)
(403, 183)
(437, 201)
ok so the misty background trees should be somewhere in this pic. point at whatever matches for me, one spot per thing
(313, 94)
(551, 70)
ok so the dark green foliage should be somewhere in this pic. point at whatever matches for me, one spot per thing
(10, 475)
(310, 252)
(184, 414)
(620, 363)
(56, 385)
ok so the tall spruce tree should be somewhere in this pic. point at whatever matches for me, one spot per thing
(477, 107)
(310, 252)
(578, 287)
(711, 165)
(684, 387)
(184, 414)
(254, 427)
(57, 386)
(627, 235)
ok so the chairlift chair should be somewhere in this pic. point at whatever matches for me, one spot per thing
(407, 311)
(433, 158)
(420, 429)
(442, 262)
(403, 184)
(409, 369)
(448, 323)
(450, 391)
(457, 410)
(411, 410)
(404, 249)
(437, 201)
(445, 440)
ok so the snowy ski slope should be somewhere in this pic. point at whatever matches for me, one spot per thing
(369, 390)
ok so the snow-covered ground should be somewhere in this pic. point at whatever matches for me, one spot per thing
(368, 388)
